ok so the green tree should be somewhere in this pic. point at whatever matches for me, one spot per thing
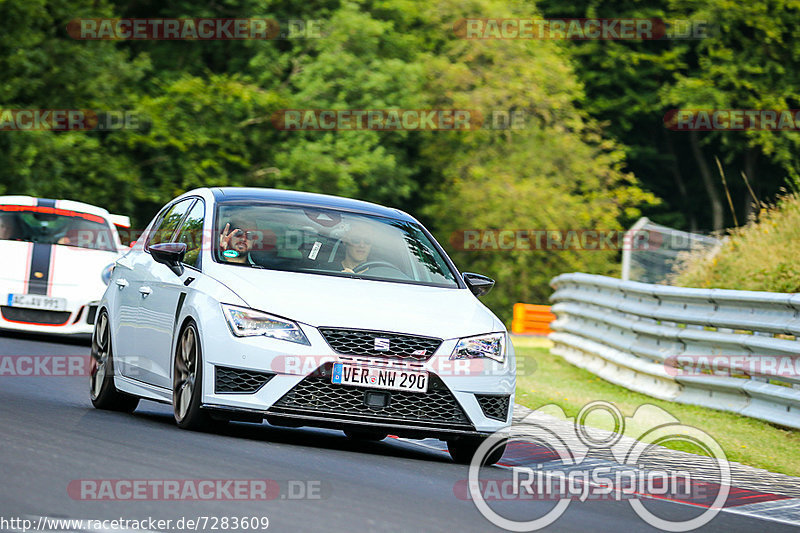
(44, 69)
(558, 172)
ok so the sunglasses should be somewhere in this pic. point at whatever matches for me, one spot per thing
(359, 240)
(249, 235)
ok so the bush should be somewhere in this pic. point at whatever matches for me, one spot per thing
(761, 256)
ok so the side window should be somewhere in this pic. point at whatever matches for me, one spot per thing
(166, 226)
(191, 234)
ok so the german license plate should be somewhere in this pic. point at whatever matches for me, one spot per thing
(379, 378)
(35, 301)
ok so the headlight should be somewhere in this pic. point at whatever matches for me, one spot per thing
(246, 322)
(492, 346)
(105, 275)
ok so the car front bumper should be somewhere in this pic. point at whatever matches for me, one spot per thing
(293, 386)
(77, 319)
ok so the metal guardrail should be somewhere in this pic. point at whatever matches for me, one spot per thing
(640, 335)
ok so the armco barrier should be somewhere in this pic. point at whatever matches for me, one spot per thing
(530, 319)
(636, 335)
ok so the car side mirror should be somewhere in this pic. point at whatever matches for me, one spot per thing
(170, 254)
(477, 283)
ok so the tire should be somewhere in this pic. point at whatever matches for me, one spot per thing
(462, 450)
(357, 434)
(187, 382)
(103, 393)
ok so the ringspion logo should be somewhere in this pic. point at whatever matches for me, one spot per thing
(575, 478)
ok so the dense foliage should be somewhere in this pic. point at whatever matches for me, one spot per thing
(593, 115)
(761, 256)
(747, 60)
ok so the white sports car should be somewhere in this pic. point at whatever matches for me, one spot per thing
(304, 310)
(57, 259)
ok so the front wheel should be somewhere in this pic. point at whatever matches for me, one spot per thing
(103, 393)
(462, 449)
(187, 382)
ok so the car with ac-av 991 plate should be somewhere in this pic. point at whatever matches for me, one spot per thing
(57, 260)
(302, 309)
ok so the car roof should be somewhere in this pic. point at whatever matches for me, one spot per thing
(59, 204)
(283, 196)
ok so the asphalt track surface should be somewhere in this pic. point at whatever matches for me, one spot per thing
(51, 436)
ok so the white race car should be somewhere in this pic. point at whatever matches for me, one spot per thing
(303, 309)
(57, 260)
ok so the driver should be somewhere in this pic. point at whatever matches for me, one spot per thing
(358, 245)
(8, 228)
(236, 241)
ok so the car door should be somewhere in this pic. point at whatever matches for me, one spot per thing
(140, 363)
(125, 306)
(160, 306)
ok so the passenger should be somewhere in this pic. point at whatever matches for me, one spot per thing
(70, 237)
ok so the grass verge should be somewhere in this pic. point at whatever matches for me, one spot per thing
(545, 379)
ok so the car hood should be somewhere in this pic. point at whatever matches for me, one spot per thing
(320, 300)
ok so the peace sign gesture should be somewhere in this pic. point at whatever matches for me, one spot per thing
(225, 237)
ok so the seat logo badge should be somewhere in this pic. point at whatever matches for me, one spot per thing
(381, 344)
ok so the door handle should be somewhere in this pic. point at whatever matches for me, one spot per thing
(145, 291)
(122, 283)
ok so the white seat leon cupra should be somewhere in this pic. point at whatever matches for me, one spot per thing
(305, 310)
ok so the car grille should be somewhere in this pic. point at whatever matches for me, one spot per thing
(493, 405)
(34, 316)
(316, 394)
(236, 380)
(362, 342)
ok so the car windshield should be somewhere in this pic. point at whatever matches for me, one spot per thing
(328, 242)
(48, 225)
